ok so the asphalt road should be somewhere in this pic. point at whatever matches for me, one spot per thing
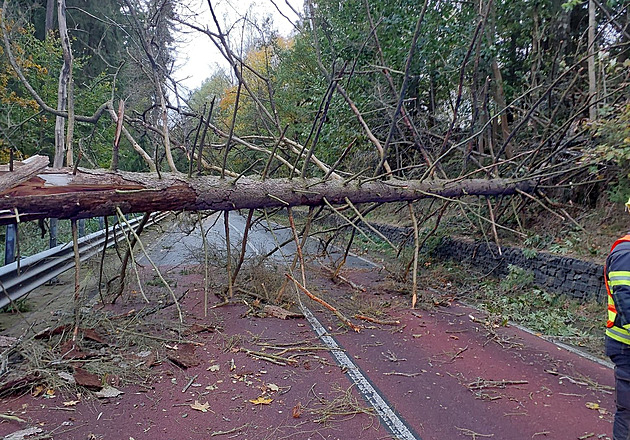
(442, 374)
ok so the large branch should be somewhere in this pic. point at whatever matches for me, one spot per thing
(92, 193)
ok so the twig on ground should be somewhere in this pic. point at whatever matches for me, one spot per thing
(190, 382)
(472, 433)
(396, 373)
(377, 321)
(325, 304)
(481, 383)
(279, 360)
(12, 418)
(390, 356)
(229, 431)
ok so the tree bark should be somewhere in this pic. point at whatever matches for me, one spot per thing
(592, 79)
(92, 193)
(63, 141)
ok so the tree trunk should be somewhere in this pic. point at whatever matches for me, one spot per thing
(592, 80)
(92, 193)
(63, 144)
(50, 11)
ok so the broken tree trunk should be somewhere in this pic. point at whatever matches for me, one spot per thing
(92, 193)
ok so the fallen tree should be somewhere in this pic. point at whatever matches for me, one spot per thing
(68, 194)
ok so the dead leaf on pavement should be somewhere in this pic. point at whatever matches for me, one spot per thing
(108, 391)
(38, 391)
(297, 410)
(261, 401)
(592, 405)
(203, 407)
(71, 402)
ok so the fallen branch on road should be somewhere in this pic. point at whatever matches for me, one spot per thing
(340, 315)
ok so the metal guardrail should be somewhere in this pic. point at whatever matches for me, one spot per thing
(40, 268)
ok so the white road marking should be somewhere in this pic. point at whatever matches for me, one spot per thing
(395, 425)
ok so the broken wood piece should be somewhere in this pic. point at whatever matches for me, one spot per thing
(12, 418)
(86, 379)
(377, 321)
(279, 312)
(274, 359)
(481, 384)
(396, 373)
(183, 356)
(22, 171)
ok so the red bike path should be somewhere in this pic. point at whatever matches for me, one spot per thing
(445, 372)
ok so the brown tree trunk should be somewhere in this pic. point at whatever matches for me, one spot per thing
(92, 193)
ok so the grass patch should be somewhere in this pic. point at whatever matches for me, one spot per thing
(515, 298)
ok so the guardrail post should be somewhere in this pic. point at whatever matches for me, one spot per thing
(53, 233)
(81, 225)
(9, 244)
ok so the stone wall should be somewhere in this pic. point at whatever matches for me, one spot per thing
(569, 276)
(576, 278)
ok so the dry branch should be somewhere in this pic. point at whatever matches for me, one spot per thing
(345, 320)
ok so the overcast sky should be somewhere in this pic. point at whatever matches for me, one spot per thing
(198, 58)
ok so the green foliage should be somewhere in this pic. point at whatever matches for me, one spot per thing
(570, 4)
(572, 241)
(530, 254)
(516, 299)
(516, 278)
(19, 306)
(619, 191)
(613, 135)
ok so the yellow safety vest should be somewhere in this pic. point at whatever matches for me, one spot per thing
(612, 279)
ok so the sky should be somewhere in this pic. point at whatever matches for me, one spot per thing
(198, 58)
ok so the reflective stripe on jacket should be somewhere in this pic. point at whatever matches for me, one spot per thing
(618, 281)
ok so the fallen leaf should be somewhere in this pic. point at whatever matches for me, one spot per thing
(39, 389)
(214, 368)
(66, 376)
(71, 402)
(108, 391)
(592, 405)
(203, 407)
(261, 401)
(297, 410)
(273, 387)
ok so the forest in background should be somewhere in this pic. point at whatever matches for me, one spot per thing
(361, 90)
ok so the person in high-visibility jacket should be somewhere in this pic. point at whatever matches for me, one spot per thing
(617, 280)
